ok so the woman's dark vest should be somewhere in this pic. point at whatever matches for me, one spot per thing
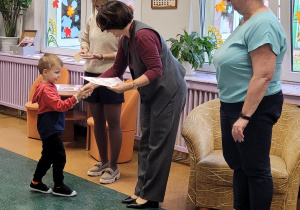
(158, 93)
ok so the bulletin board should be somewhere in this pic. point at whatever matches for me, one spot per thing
(163, 4)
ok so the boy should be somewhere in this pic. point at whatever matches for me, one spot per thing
(50, 124)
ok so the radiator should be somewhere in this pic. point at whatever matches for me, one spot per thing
(18, 73)
(16, 81)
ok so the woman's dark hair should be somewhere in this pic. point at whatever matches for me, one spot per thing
(114, 15)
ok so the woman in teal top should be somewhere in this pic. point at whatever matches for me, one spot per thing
(248, 71)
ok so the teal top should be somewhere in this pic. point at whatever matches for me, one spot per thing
(233, 62)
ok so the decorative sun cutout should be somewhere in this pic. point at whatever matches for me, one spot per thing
(298, 16)
(70, 11)
(221, 7)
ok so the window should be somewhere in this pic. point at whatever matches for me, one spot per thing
(288, 18)
(63, 23)
(296, 36)
(227, 21)
(64, 19)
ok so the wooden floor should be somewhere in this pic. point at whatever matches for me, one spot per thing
(13, 138)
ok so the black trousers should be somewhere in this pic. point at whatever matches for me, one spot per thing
(252, 179)
(53, 153)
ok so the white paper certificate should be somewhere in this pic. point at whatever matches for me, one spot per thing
(108, 82)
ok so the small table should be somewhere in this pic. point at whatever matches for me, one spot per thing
(66, 91)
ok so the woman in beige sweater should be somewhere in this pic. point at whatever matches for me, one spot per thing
(105, 105)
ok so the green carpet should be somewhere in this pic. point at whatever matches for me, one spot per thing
(16, 173)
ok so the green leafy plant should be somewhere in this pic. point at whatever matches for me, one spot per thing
(192, 48)
(11, 10)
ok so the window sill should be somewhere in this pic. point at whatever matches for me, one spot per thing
(291, 90)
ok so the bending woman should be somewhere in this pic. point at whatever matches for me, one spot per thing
(159, 78)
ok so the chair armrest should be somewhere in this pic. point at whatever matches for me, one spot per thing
(201, 129)
(198, 135)
(292, 147)
(32, 106)
(286, 137)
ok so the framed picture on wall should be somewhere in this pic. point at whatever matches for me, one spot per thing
(163, 4)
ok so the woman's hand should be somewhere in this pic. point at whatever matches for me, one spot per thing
(121, 87)
(238, 129)
(94, 56)
(83, 51)
(89, 86)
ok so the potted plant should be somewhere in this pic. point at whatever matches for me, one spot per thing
(11, 11)
(190, 50)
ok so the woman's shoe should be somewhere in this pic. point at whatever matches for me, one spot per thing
(148, 204)
(128, 200)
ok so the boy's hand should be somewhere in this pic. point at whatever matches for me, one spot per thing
(89, 86)
(82, 94)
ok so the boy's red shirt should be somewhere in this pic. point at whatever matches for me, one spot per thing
(46, 95)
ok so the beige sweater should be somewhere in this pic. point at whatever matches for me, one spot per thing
(98, 43)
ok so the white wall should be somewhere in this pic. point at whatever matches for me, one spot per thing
(170, 22)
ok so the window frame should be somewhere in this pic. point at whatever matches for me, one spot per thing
(66, 42)
(285, 19)
(86, 11)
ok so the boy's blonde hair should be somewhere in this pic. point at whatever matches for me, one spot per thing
(48, 61)
(102, 1)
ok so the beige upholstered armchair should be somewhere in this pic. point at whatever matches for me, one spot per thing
(210, 183)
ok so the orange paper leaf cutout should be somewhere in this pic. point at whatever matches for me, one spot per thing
(221, 7)
(70, 11)
(298, 16)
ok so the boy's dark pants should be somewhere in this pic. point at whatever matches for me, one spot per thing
(252, 178)
(53, 153)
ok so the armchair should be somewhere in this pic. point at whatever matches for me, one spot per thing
(210, 183)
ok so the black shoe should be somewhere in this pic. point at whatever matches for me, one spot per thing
(64, 190)
(128, 200)
(148, 204)
(40, 187)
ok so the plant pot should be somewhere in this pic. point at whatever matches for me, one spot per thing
(189, 69)
(6, 42)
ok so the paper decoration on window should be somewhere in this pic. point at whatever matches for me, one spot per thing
(70, 11)
(298, 16)
(221, 7)
(213, 32)
(55, 4)
(67, 32)
(130, 3)
(70, 18)
(51, 33)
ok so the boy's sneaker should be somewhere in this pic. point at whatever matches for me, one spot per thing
(98, 169)
(110, 176)
(40, 187)
(64, 190)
